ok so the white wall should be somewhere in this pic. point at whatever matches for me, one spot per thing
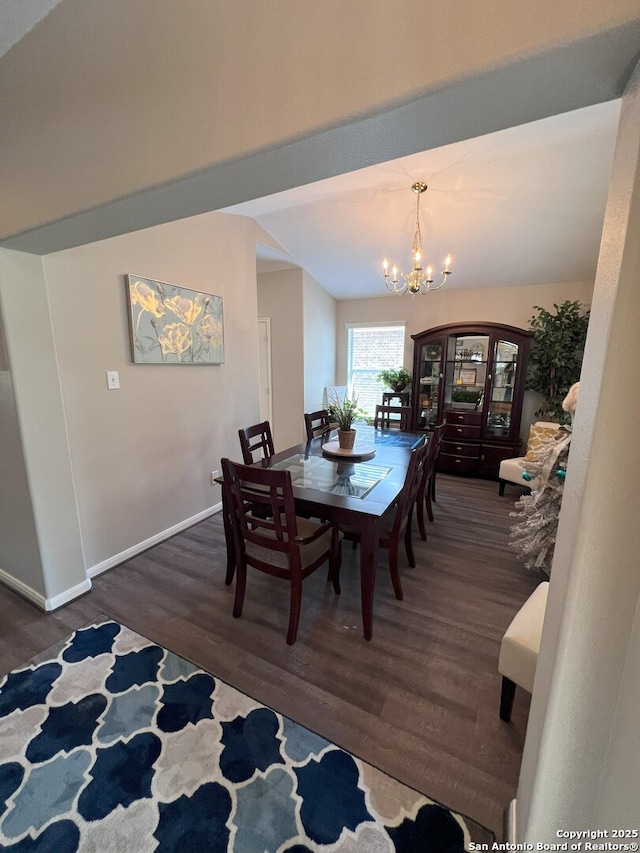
(19, 551)
(280, 297)
(51, 569)
(580, 766)
(141, 455)
(513, 306)
(320, 312)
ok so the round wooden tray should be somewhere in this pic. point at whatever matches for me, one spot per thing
(358, 451)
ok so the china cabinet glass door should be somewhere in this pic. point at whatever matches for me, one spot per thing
(429, 383)
(466, 372)
(501, 388)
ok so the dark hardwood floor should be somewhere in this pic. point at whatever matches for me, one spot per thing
(420, 701)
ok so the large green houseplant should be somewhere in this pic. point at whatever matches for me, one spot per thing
(557, 348)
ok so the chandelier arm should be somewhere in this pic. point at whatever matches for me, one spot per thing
(445, 275)
(395, 286)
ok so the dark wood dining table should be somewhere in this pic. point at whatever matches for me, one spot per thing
(354, 490)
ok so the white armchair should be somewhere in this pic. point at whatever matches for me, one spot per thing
(511, 470)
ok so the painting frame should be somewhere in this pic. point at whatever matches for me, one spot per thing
(468, 376)
(172, 324)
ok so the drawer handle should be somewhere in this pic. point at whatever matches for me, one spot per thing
(459, 449)
(460, 417)
(458, 460)
(459, 429)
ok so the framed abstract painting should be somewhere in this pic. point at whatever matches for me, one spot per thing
(173, 325)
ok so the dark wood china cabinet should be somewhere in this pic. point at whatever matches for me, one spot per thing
(472, 375)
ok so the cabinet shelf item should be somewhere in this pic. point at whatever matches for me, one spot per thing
(473, 375)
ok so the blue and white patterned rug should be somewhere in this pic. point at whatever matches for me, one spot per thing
(117, 744)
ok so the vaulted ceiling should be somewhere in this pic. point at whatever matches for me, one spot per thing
(522, 205)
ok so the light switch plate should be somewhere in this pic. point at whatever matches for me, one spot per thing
(113, 380)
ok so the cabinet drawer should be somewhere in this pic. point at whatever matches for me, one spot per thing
(462, 464)
(458, 449)
(470, 418)
(453, 432)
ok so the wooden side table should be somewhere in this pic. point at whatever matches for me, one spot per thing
(402, 396)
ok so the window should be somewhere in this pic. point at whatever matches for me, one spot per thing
(371, 349)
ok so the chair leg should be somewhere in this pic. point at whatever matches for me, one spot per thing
(408, 542)
(420, 501)
(433, 486)
(241, 585)
(294, 612)
(335, 564)
(228, 536)
(429, 506)
(506, 698)
(395, 576)
(503, 483)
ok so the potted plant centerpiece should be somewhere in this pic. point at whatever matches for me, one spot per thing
(395, 378)
(343, 412)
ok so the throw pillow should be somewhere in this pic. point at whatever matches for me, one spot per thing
(539, 434)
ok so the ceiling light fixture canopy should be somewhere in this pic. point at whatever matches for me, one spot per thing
(418, 280)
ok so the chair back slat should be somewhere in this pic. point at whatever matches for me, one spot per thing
(275, 528)
(317, 424)
(435, 442)
(412, 482)
(389, 417)
(256, 439)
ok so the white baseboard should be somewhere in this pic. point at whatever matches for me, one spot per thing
(48, 604)
(42, 603)
(123, 556)
(510, 823)
(68, 595)
(22, 589)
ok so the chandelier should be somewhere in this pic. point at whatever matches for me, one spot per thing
(418, 280)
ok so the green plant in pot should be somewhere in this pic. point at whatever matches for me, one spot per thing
(343, 412)
(465, 397)
(395, 378)
(556, 355)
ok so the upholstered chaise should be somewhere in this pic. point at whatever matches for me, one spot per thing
(511, 470)
(519, 648)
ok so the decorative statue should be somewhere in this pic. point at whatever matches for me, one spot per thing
(534, 537)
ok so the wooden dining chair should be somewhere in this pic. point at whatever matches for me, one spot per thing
(390, 417)
(425, 492)
(396, 524)
(256, 439)
(435, 465)
(317, 424)
(276, 541)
